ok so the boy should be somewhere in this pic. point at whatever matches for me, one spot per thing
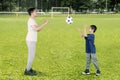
(90, 49)
(31, 39)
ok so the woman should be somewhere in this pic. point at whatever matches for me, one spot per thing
(31, 39)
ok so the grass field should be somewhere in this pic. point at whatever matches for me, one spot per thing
(60, 53)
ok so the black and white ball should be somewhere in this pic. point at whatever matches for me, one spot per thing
(69, 20)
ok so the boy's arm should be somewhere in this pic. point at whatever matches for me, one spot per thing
(81, 33)
(85, 34)
(38, 28)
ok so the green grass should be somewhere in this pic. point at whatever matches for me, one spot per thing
(60, 53)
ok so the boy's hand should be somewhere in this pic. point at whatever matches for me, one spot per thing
(85, 34)
(85, 25)
(80, 32)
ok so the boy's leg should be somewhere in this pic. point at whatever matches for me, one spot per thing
(88, 60)
(95, 62)
(31, 53)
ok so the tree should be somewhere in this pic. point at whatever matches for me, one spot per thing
(7, 5)
(77, 5)
(113, 3)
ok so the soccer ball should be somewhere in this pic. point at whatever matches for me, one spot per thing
(69, 20)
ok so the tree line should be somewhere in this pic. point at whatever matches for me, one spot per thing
(45, 5)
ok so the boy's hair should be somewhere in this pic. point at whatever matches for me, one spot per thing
(30, 10)
(94, 28)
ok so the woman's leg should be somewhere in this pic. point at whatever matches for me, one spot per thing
(31, 53)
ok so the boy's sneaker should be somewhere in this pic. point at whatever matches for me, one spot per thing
(98, 73)
(86, 72)
(30, 72)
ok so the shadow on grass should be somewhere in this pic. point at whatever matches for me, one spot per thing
(92, 74)
(39, 74)
(87, 74)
